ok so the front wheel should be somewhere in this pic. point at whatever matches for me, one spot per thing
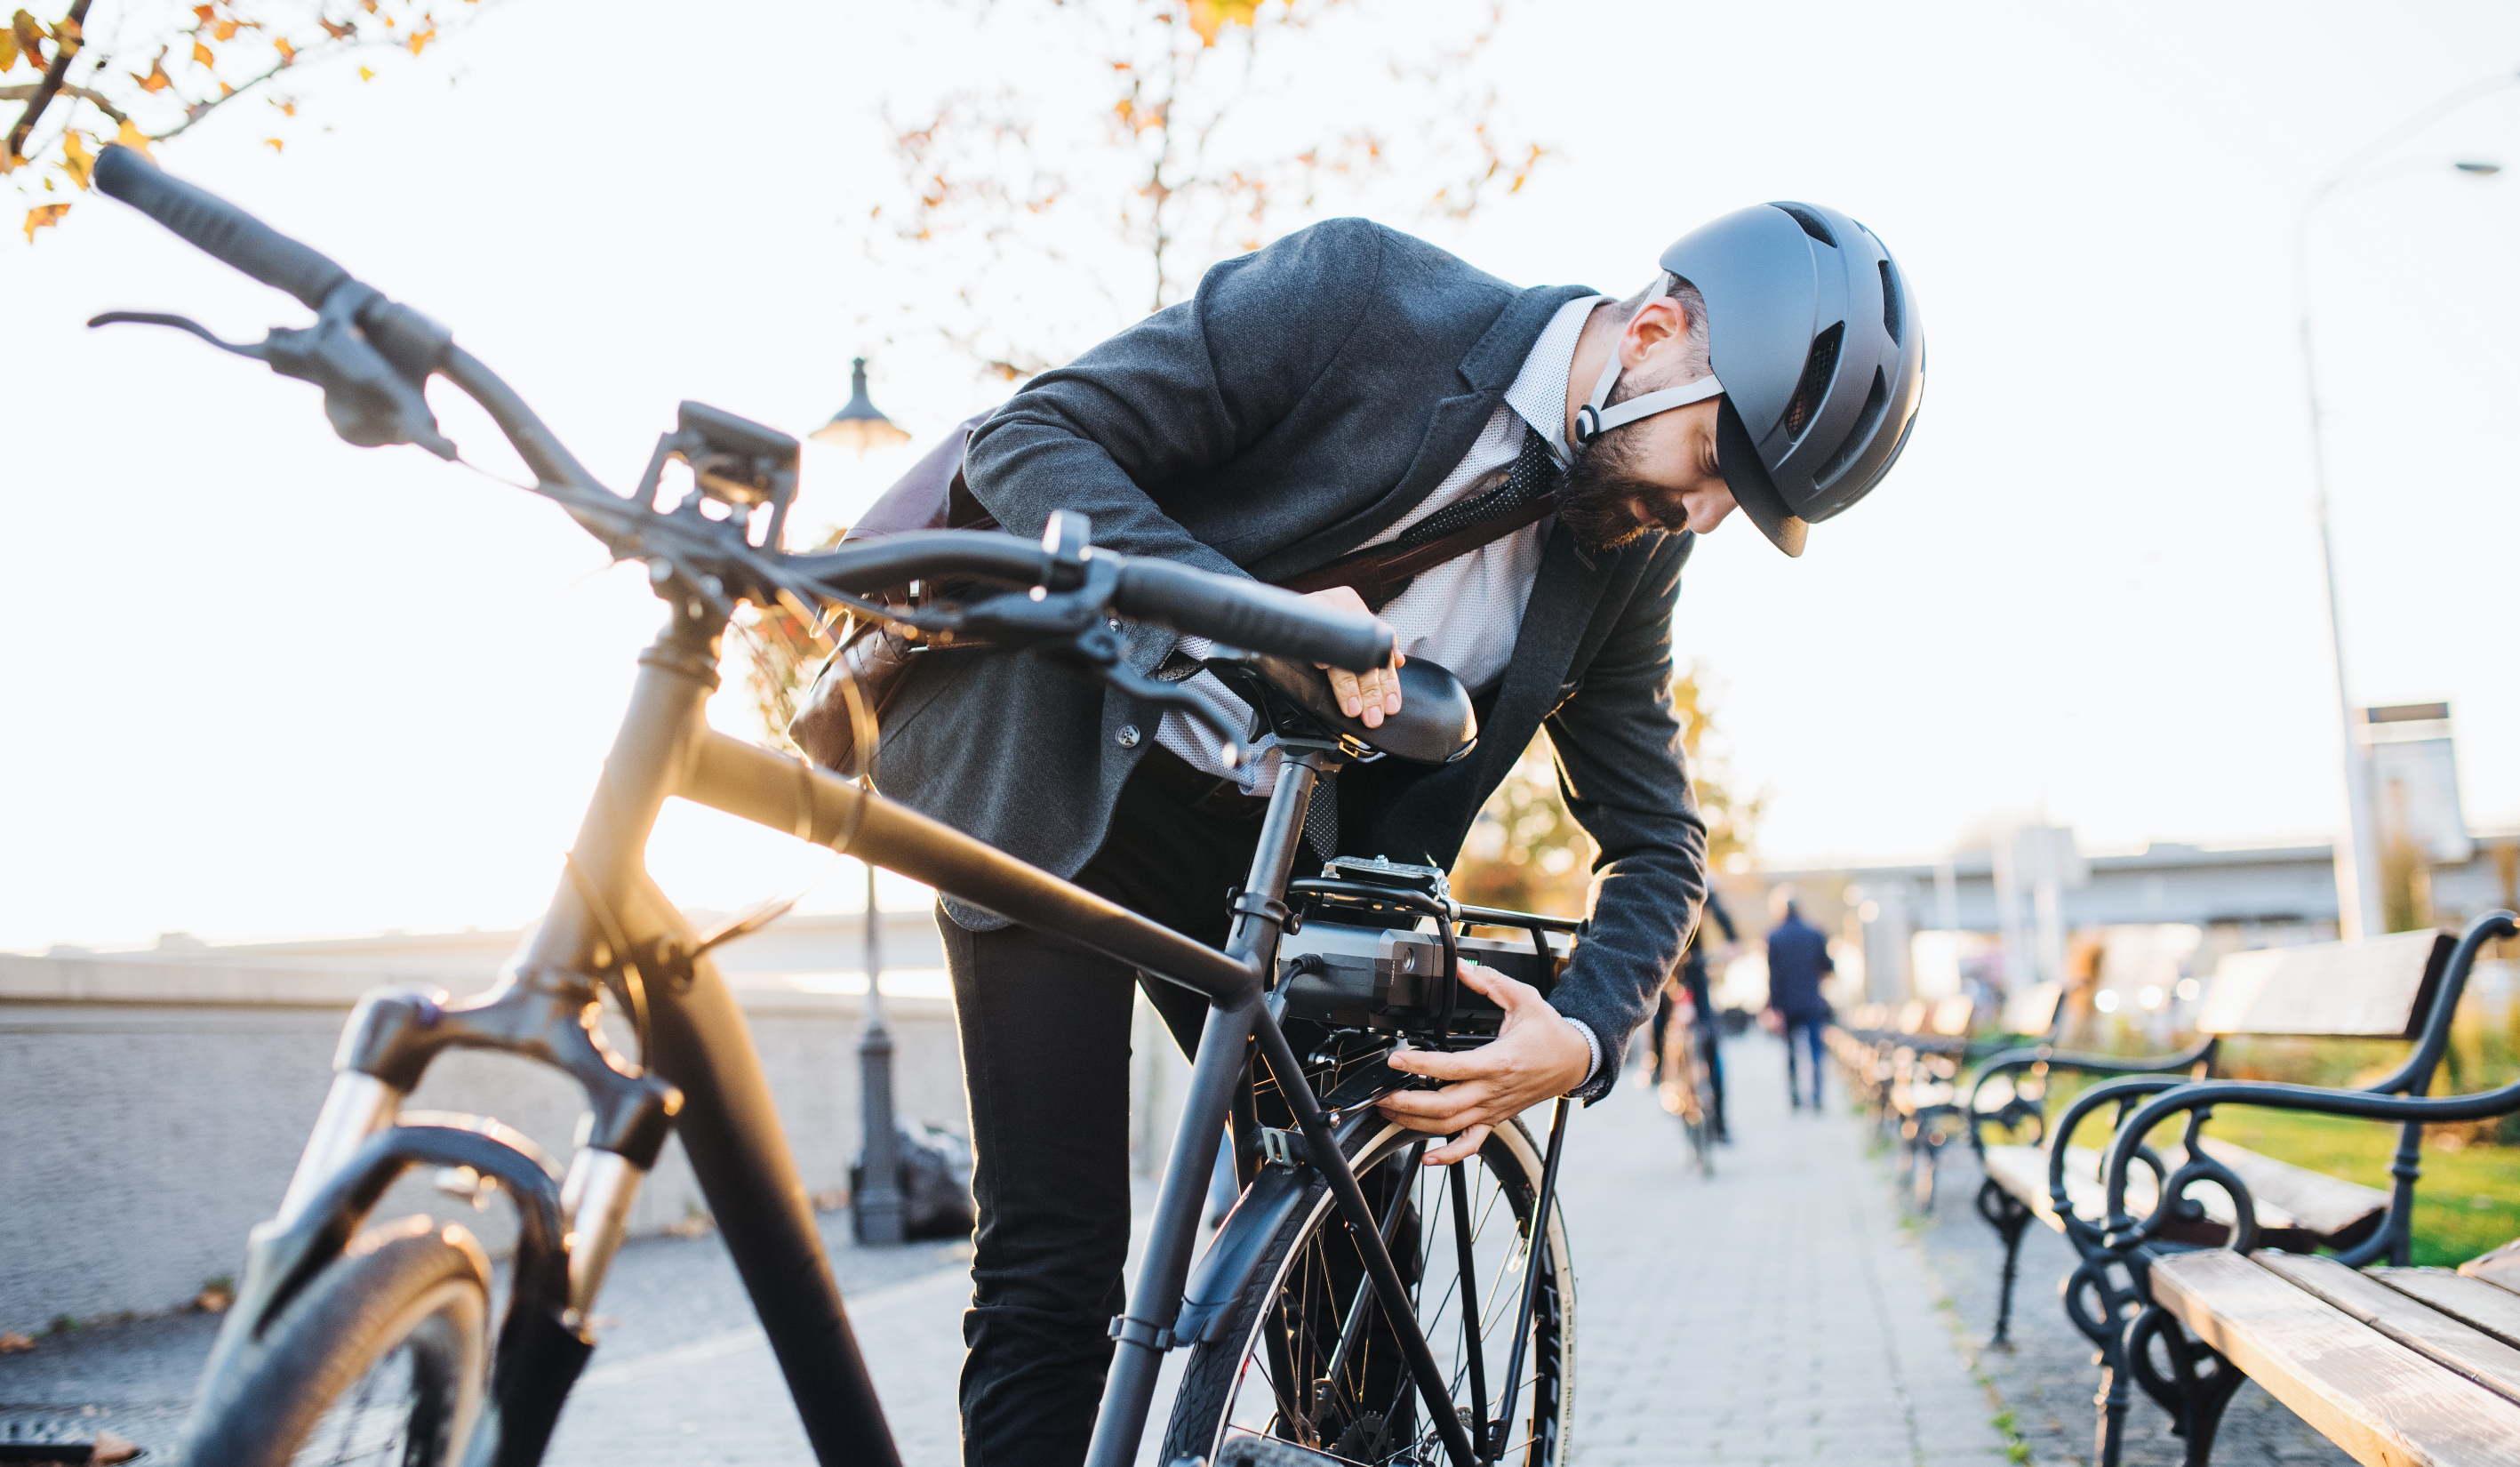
(1307, 1357)
(380, 1358)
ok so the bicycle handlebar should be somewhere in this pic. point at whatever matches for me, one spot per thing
(1222, 609)
(1248, 614)
(217, 227)
(1197, 603)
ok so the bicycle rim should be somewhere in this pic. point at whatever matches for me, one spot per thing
(1273, 1376)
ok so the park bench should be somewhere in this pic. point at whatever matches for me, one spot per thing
(2398, 1365)
(2388, 987)
(1909, 1074)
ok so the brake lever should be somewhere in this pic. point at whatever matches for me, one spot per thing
(257, 351)
(370, 401)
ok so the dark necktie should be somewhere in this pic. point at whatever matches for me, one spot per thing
(1534, 473)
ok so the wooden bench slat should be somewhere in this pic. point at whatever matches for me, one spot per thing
(2378, 989)
(2497, 1312)
(2472, 1353)
(2297, 1209)
(2501, 1266)
(2381, 1401)
(2311, 1201)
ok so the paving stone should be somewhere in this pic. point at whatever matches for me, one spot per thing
(1773, 1314)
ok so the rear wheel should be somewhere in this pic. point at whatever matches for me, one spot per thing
(1281, 1372)
(381, 1359)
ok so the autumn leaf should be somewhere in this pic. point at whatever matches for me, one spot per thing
(44, 216)
(288, 52)
(132, 137)
(337, 32)
(157, 80)
(365, 75)
(203, 58)
(273, 144)
(28, 34)
(204, 13)
(288, 108)
(7, 49)
(10, 162)
(420, 39)
(75, 157)
(1211, 16)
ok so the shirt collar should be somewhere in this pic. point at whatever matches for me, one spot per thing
(1539, 391)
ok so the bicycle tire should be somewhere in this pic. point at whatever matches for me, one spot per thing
(406, 1290)
(1217, 1385)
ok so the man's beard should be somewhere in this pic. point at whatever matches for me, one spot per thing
(1603, 497)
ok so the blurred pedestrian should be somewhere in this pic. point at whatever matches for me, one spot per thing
(1694, 981)
(1797, 960)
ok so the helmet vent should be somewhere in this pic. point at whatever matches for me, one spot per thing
(1812, 223)
(1818, 369)
(1866, 423)
(1890, 303)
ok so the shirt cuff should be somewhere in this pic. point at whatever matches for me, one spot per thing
(1592, 1044)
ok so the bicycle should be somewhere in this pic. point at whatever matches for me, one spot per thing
(1353, 1307)
(1683, 1079)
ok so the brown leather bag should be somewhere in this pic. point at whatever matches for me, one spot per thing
(934, 496)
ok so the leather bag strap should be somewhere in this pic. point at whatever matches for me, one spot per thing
(1379, 574)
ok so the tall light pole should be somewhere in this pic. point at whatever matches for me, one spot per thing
(2357, 856)
(876, 1206)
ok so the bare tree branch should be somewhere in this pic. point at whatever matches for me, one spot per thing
(64, 48)
(27, 90)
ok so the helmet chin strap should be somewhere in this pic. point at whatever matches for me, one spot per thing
(1595, 417)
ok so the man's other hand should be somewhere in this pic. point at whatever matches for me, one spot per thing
(1375, 696)
(1536, 1055)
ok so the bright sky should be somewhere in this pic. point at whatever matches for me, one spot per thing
(270, 684)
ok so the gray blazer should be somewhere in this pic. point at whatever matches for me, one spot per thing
(1306, 399)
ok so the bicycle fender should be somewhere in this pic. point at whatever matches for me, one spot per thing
(1242, 1244)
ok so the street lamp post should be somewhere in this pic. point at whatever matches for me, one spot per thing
(876, 1206)
(2358, 858)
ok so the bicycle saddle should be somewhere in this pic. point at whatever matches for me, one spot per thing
(1435, 724)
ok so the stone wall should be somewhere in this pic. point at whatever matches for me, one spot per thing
(151, 1112)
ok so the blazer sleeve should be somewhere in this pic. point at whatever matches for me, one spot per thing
(1186, 390)
(1626, 781)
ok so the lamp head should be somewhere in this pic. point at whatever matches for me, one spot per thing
(859, 425)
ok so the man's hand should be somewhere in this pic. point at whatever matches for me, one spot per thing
(1375, 696)
(1536, 1055)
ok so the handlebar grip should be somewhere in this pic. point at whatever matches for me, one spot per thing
(1245, 613)
(217, 227)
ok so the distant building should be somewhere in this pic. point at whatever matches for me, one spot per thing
(2235, 897)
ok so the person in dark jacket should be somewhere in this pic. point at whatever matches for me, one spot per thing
(1346, 387)
(1705, 1022)
(1797, 960)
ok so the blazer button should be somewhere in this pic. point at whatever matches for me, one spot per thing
(1127, 737)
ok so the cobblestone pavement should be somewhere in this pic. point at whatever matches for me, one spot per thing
(1775, 1313)
(2048, 1378)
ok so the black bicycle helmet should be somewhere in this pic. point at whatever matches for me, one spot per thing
(1818, 353)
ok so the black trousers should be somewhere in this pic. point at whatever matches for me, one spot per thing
(1045, 1034)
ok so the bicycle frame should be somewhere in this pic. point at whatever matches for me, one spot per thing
(609, 924)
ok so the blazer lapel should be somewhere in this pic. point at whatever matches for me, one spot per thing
(1563, 597)
(1487, 371)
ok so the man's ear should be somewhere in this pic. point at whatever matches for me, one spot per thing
(1657, 324)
